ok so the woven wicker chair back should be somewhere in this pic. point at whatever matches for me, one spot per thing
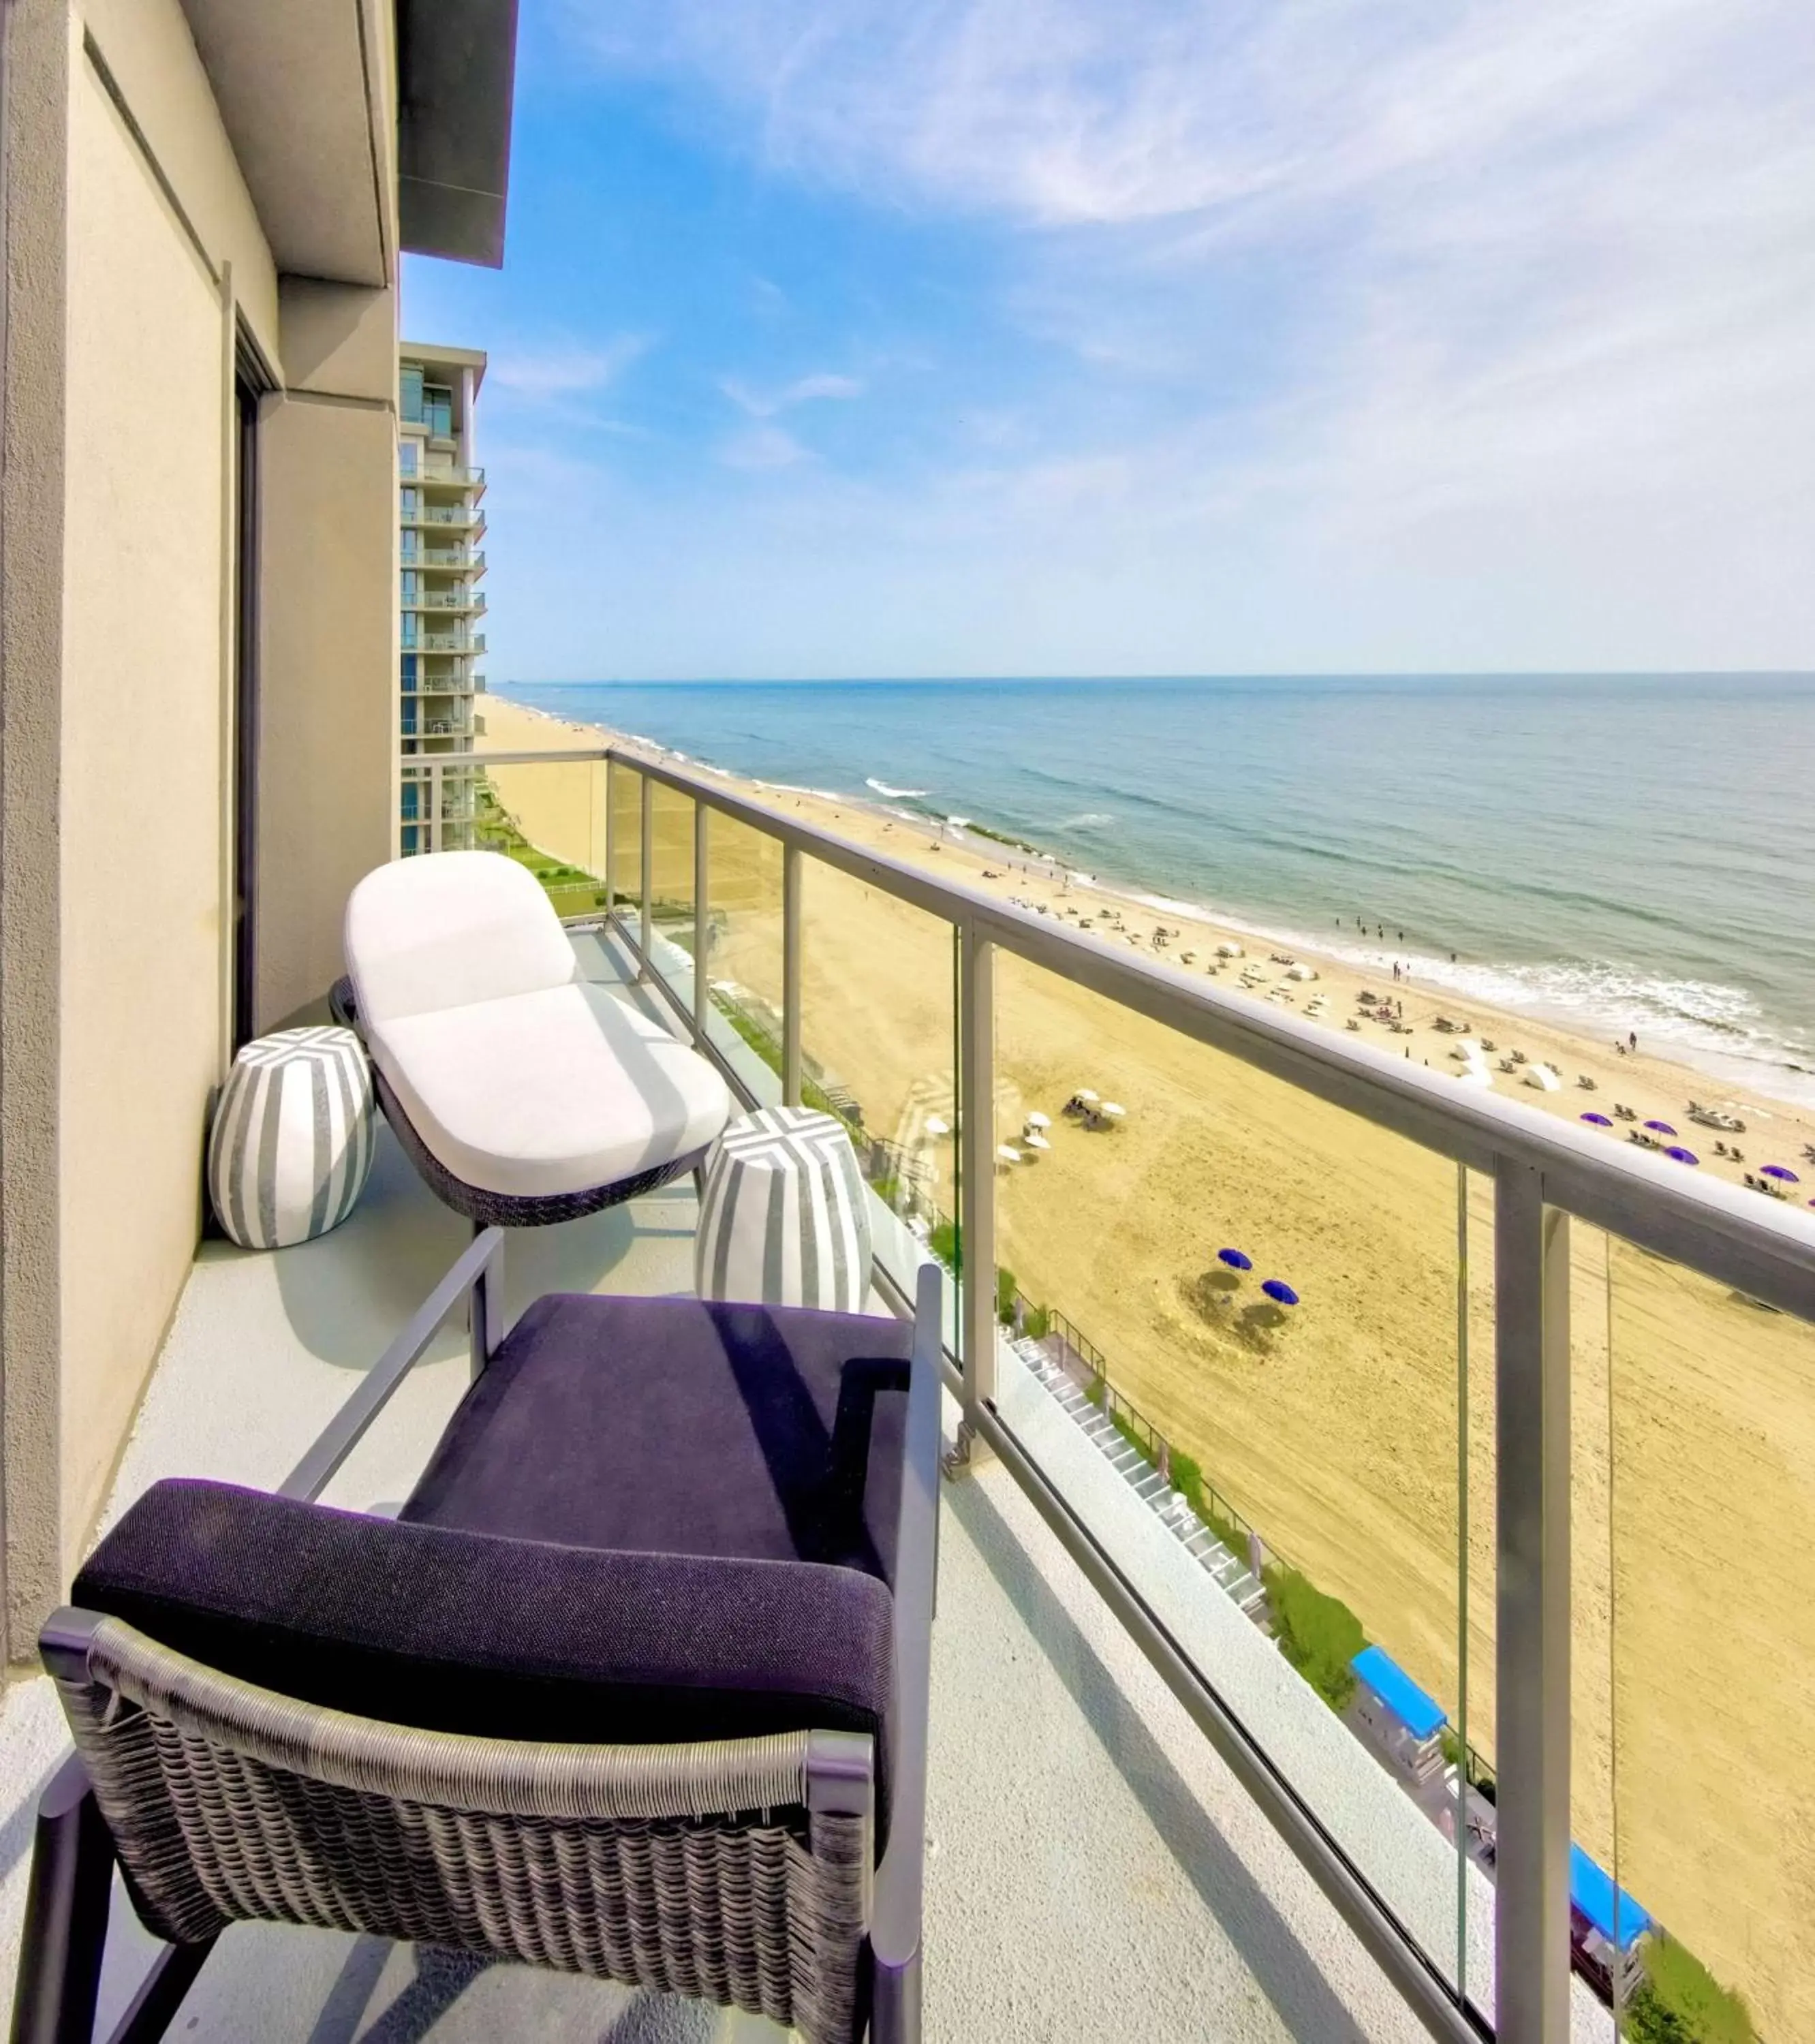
(686, 1869)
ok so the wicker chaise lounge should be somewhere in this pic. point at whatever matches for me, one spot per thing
(522, 1092)
(635, 1686)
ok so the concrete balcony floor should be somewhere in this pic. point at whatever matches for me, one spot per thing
(1094, 1873)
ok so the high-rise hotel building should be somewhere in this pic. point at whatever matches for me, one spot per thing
(441, 523)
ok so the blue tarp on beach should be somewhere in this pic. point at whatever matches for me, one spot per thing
(1419, 1715)
(1592, 1891)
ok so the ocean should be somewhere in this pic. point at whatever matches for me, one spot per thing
(1613, 852)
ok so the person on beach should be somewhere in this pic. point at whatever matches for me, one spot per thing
(1633, 1039)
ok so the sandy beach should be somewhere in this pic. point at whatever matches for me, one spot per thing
(1337, 1426)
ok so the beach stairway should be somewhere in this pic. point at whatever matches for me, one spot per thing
(1230, 1572)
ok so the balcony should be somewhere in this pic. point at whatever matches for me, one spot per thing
(469, 480)
(1164, 1800)
(445, 642)
(469, 601)
(460, 517)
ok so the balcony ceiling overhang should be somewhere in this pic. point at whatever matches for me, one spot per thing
(456, 66)
(303, 87)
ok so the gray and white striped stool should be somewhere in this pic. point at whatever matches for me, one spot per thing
(293, 1140)
(785, 1218)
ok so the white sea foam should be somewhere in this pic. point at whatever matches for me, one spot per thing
(1091, 820)
(895, 795)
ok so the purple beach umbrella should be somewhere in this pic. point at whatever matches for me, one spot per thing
(1234, 1259)
(1683, 1156)
(1599, 1120)
(1663, 1128)
(1782, 1171)
(1277, 1287)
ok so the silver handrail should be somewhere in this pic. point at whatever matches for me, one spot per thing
(1542, 1172)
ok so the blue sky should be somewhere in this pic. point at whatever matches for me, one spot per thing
(852, 337)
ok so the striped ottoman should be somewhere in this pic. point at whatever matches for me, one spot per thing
(292, 1139)
(785, 1218)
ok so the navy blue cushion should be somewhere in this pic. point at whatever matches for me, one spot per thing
(682, 1426)
(650, 1520)
(461, 1632)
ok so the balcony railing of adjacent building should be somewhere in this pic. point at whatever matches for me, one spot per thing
(1338, 1522)
(471, 600)
(450, 479)
(445, 642)
(461, 516)
(465, 560)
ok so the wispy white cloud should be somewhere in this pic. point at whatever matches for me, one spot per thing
(1492, 317)
(565, 370)
(762, 447)
(766, 404)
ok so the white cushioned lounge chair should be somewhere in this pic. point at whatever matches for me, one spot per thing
(524, 1093)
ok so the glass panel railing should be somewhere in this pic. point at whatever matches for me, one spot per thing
(550, 817)
(1234, 1333)
(625, 892)
(744, 952)
(1693, 1762)
(879, 1036)
(669, 940)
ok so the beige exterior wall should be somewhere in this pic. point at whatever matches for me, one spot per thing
(132, 248)
(143, 920)
(327, 655)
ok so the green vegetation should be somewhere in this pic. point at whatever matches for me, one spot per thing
(943, 1244)
(1681, 2002)
(1318, 1634)
(1188, 1477)
(1479, 1778)
(1037, 1323)
(1005, 1297)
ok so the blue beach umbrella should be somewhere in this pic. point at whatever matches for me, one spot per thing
(1277, 1287)
(1683, 1156)
(1782, 1171)
(1663, 1128)
(1234, 1259)
(1599, 1120)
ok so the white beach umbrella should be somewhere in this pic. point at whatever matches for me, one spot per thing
(1300, 972)
(1228, 951)
(1085, 1094)
(1110, 1112)
(1543, 1078)
(1035, 1142)
(936, 1126)
(1037, 1120)
(1007, 1154)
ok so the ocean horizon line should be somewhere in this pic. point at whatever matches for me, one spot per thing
(1468, 674)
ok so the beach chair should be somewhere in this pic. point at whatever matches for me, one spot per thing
(523, 1093)
(634, 1685)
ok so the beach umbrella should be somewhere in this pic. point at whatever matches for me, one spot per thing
(1663, 1128)
(936, 1126)
(1683, 1156)
(1037, 1120)
(1034, 1140)
(1599, 1120)
(1782, 1171)
(1085, 1094)
(1006, 1154)
(1234, 1259)
(1110, 1112)
(1277, 1287)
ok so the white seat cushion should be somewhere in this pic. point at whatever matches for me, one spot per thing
(450, 928)
(550, 1092)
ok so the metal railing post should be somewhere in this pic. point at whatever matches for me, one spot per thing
(791, 976)
(1530, 1924)
(977, 1168)
(610, 842)
(703, 921)
(648, 927)
(435, 777)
